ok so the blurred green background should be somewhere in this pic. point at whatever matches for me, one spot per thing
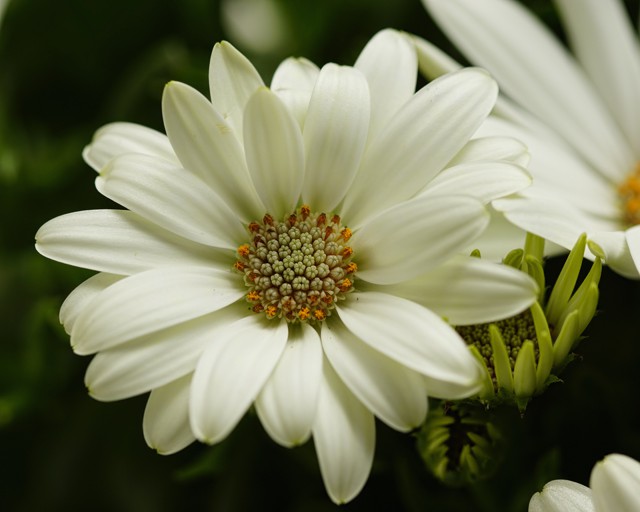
(68, 67)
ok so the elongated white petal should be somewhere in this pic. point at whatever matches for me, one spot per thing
(615, 481)
(562, 496)
(116, 139)
(232, 80)
(119, 242)
(535, 70)
(558, 171)
(411, 335)
(231, 373)
(166, 417)
(469, 291)
(605, 43)
(173, 198)
(500, 238)
(408, 239)
(418, 141)
(344, 437)
(432, 61)
(150, 301)
(546, 217)
(389, 62)
(288, 401)
(78, 299)
(293, 82)
(621, 250)
(335, 132)
(153, 360)
(493, 149)
(275, 152)
(393, 392)
(206, 145)
(485, 181)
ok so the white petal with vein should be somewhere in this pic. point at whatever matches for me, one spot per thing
(231, 373)
(344, 437)
(288, 401)
(150, 301)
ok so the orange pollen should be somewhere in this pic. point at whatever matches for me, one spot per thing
(305, 211)
(253, 296)
(345, 285)
(257, 308)
(346, 234)
(351, 268)
(629, 192)
(304, 313)
(335, 219)
(346, 252)
(327, 299)
(271, 311)
(268, 220)
(239, 266)
(254, 227)
(321, 220)
(319, 314)
(244, 250)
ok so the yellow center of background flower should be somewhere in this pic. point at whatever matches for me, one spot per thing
(629, 192)
(297, 268)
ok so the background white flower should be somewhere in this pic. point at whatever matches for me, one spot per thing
(615, 482)
(579, 117)
(193, 300)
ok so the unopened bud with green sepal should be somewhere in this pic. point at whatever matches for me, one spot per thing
(523, 354)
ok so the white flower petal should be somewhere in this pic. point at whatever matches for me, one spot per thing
(500, 238)
(119, 242)
(412, 335)
(344, 437)
(412, 237)
(335, 132)
(432, 61)
(535, 70)
(151, 361)
(559, 172)
(562, 496)
(232, 80)
(172, 198)
(275, 152)
(492, 149)
(469, 291)
(166, 417)
(150, 301)
(293, 82)
(615, 482)
(621, 250)
(546, 217)
(603, 39)
(231, 373)
(484, 181)
(288, 401)
(78, 299)
(116, 139)
(393, 392)
(418, 141)
(207, 146)
(389, 62)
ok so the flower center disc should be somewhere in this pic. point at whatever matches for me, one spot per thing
(297, 268)
(629, 192)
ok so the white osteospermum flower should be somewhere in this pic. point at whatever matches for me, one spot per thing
(579, 116)
(233, 279)
(615, 487)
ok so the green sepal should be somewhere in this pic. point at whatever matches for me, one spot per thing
(524, 371)
(501, 363)
(545, 346)
(566, 339)
(566, 281)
